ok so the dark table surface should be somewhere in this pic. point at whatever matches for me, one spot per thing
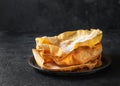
(15, 50)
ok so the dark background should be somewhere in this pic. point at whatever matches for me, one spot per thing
(23, 20)
(58, 15)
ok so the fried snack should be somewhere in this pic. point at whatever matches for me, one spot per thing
(69, 51)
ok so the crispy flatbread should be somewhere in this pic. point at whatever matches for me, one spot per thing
(69, 51)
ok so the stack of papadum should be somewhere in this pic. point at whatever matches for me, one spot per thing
(78, 50)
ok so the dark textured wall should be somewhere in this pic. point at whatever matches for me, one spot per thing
(52, 15)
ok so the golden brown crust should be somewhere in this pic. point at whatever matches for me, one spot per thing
(80, 55)
(54, 67)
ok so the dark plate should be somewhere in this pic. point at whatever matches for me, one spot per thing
(105, 59)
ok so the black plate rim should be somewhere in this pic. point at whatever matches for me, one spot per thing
(108, 60)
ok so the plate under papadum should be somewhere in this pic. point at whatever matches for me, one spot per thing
(106, 61)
